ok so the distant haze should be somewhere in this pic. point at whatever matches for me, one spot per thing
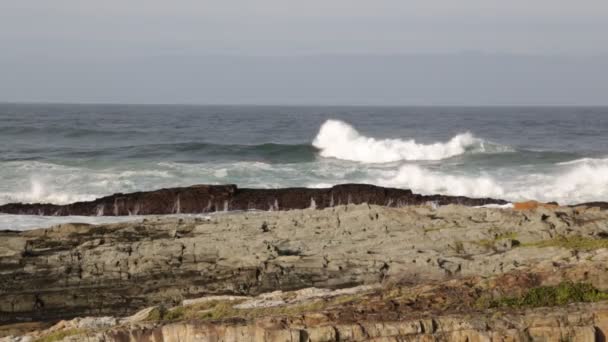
(385, 52)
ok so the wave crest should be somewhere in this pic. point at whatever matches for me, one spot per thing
(340, 140)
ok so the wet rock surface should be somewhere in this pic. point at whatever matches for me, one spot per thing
(213, 198)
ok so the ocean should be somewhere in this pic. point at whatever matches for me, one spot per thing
(60, 153)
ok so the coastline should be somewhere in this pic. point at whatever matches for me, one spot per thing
(204, 198)
(448, 263)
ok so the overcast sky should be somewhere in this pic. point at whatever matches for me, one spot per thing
(90, 51)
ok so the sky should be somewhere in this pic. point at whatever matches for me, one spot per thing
(308, 52)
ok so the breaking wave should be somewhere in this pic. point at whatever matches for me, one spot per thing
(337, 139)
(41, 192)
(584, 180)
(579, 180)
(576, 182)
(428, 182)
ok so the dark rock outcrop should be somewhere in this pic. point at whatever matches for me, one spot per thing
(211, 198)
(601, 205)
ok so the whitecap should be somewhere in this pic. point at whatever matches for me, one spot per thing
(583, 181)
(425, 181)
(220, 173)
(337, 139)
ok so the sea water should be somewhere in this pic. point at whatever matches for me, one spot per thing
(56, 153)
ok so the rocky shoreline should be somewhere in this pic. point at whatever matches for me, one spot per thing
(213, 198)
(417, 272)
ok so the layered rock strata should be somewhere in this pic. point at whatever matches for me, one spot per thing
(84, 270)
(453, 310)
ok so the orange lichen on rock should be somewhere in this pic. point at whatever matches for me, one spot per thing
(530, 205)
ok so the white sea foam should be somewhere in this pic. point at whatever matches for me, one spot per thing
(340, 140)
(27, 222)
(428, 182)
(220, 173)
(585, 161)
(583, 181)
(40, 192)
(142, 173)
(38, 182)
(320, 185)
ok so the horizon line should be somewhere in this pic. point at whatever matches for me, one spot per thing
(396, 105)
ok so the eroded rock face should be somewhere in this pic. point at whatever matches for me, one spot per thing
(356, 314)
(574, 323)
(83, 270)
(212, 198)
